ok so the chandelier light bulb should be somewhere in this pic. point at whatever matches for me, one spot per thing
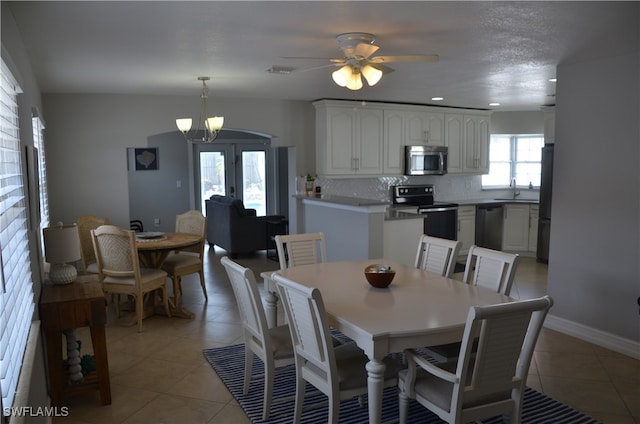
(371, 74)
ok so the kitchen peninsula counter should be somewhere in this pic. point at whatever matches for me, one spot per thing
(343, 201)
(352, 226)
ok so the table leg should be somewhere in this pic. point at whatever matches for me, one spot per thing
(375, 383)
(99, 342)
(271, 300)
(54, 354)
(271, 309)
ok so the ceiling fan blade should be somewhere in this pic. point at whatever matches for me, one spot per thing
(406, 58)
(363, 50)
(331, 65)
(331, 59)
(385, 69)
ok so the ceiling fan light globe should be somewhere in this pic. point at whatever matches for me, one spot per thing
(342, 75)
(354, 82)
(215, 123)
(184, 124)
(372, 75)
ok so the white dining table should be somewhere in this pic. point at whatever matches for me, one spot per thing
(419, 308)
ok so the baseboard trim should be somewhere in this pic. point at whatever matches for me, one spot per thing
(598, 337)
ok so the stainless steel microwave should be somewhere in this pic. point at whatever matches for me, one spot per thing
(425, 160)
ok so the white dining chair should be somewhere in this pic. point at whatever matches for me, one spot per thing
(491, 269)
(337, 371)
(300, 249)
(271, 345)
(488, 268)
(188, 260)
(485, 384)
(120, 270)
(437, 255)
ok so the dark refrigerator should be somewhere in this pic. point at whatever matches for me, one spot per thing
(544, 218)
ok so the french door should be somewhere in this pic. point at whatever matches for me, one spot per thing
(240, 170)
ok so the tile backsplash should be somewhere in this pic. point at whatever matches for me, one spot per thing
(446, 187)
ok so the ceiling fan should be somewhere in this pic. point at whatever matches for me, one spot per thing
(358, 48)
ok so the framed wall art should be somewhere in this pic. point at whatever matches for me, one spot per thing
(146, 159)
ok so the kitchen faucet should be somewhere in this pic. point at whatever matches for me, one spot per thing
(513, 185)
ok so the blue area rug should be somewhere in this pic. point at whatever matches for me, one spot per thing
(228, 362)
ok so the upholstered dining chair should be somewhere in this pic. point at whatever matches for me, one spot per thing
(437, 255)
(85, 224)
(337, 371)
(188, 260)
(488, 268)
(486, 383)
(300, 249)
(271, 345)
(120, 269)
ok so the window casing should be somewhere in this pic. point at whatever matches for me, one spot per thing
(514, 156)
(16, 287)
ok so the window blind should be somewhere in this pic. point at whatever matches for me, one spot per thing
(16, 287)
(38, 143)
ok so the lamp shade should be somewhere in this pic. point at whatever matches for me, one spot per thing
(61, 244)
(342, 75)
(215, 123)
(354, 82)
(371, 74)
(184, 124)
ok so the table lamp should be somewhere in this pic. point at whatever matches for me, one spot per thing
(62, 245)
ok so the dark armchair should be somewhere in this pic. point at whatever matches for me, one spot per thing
(236, 229)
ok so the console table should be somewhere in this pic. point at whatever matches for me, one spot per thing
(66, 307)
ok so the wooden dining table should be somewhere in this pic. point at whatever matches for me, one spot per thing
(419, 308)
(153, 249)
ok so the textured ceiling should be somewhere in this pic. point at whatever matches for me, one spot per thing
(489, 51)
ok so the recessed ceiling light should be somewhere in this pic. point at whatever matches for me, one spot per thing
(437, 99)
(553, 79)
(494, 104)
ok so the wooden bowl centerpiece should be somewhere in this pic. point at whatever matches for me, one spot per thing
(379, 276)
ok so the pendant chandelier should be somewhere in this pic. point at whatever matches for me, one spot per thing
(211, 126)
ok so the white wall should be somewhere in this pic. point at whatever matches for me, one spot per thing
(529, 122)
(88, 136)
(595, 220)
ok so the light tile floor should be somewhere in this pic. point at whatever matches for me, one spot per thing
(161, 376)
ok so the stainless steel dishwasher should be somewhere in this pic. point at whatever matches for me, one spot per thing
(489, 226)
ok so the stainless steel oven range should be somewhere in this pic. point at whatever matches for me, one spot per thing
(441, 218)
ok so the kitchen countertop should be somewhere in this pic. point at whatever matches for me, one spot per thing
(467, 202)
(398, 213)
(344, 200)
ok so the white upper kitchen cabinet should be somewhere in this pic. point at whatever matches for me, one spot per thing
(424, 128)
(394, 142)
(467, 137)
(349, 140)
(476, 146)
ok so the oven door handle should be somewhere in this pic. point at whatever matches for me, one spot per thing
(426, 211)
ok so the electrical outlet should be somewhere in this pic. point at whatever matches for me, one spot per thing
(156, 222)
